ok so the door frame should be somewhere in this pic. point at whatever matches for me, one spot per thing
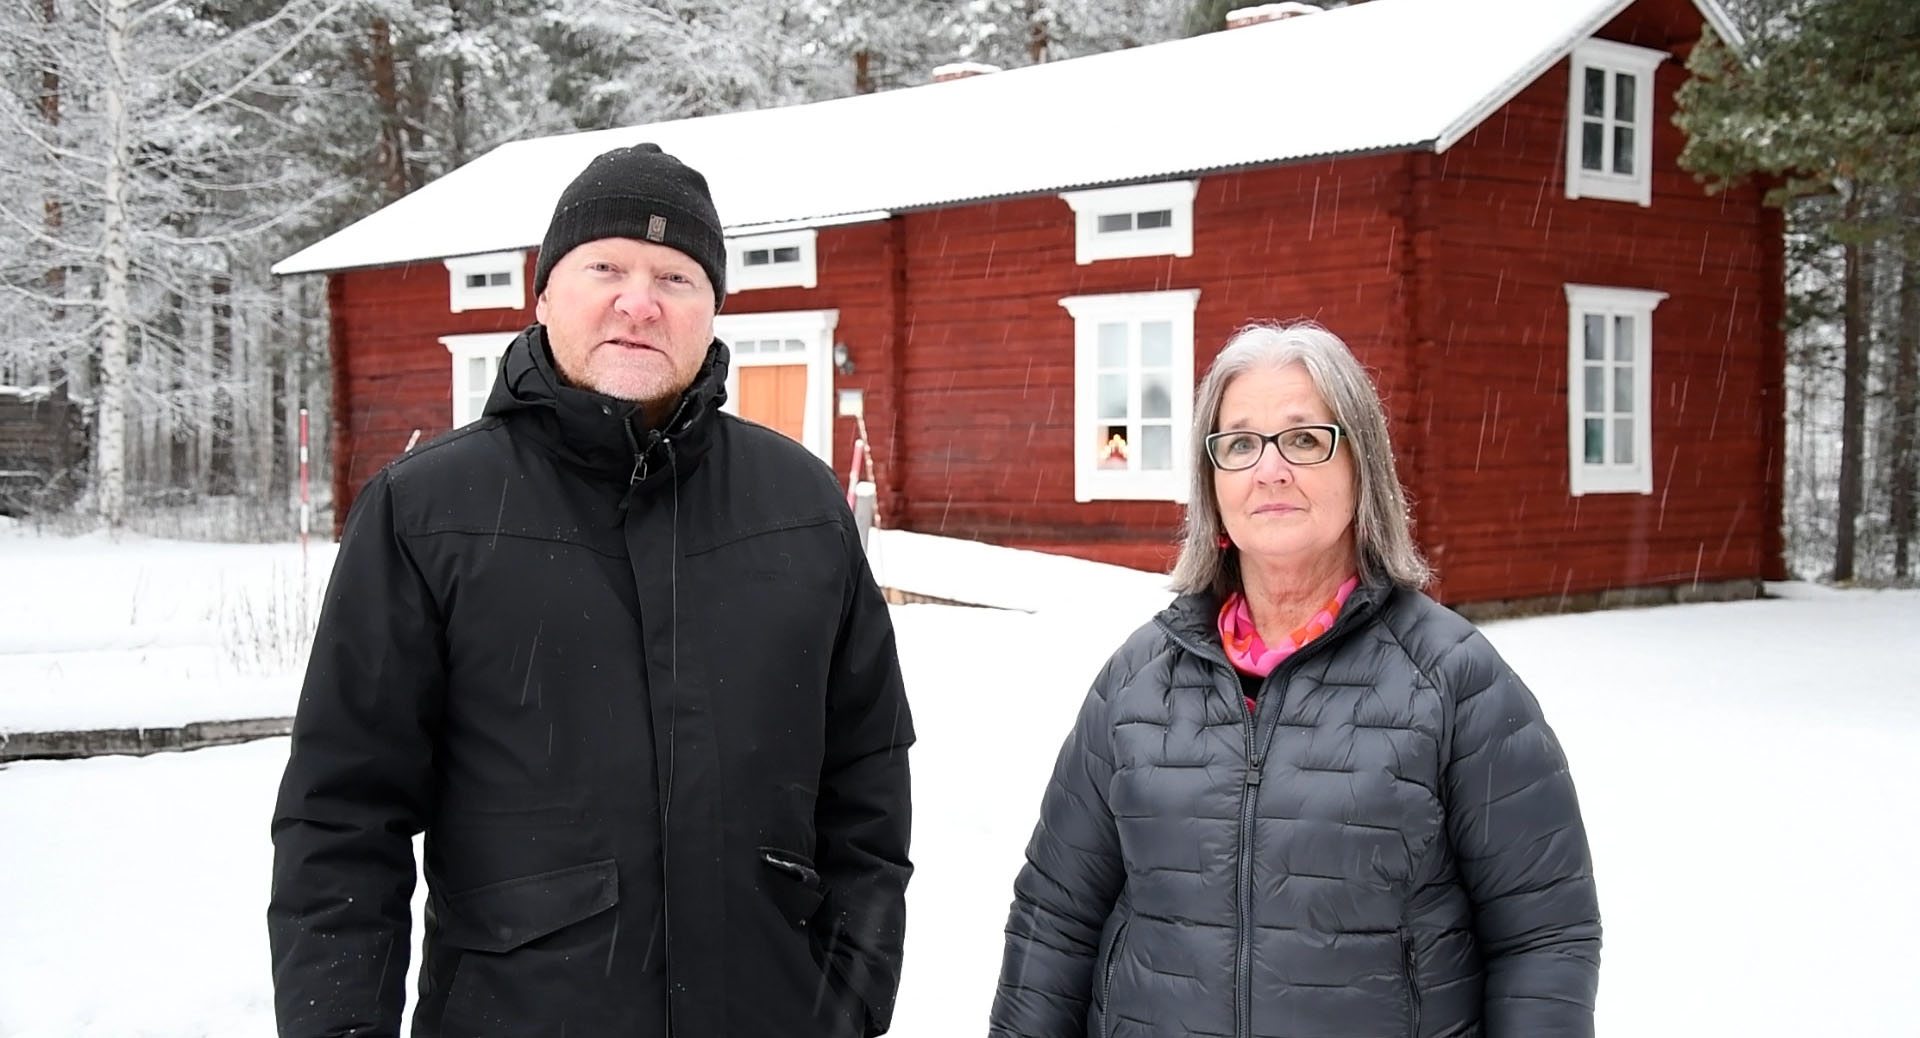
(813, 327)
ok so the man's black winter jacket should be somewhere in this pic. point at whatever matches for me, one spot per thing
(640, 692)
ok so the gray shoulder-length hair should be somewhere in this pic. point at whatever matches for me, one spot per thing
(1383, 534)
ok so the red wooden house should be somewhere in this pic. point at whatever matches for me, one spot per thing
(1018, 276)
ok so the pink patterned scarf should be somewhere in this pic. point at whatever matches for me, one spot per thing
(1249, 654)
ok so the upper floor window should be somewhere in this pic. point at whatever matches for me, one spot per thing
(778, 260)
(1138, 220)
(1132, 394)
(1609, 389)
(1610, 122)
(491, 281)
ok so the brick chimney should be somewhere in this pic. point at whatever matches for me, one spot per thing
(1241, 17)
(962, 70)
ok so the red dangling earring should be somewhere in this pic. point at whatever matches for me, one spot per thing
(1223, 542)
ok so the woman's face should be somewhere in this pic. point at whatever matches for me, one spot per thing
(1299, 517)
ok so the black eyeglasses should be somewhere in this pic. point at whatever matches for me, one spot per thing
(1301, 445)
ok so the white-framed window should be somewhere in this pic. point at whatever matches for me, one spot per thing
(781, 260)
(476, 359)
(1132, 394)
(1609, 389)
(491, 281)
(1610, 121)
(781, 373)
(1139, 220)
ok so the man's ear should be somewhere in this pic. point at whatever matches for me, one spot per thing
(540, 308)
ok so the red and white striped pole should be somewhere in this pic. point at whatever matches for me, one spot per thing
(306, 505)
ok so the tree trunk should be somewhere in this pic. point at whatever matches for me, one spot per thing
(55, 279)
(863, 71)
(110, 474)
(459, 132)
(221, 476)
(1037, 35)
(1853, 399)
(392, 155)
(1906, 395)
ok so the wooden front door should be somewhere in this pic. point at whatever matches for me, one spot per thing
(775, 395)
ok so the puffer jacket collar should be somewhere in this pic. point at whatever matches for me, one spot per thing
(607, 436)
(1192, 620)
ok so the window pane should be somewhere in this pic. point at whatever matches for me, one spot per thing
(479, 375)
(1596, 399)
(1596, 453)
(500, 278)
(476, 281)
(1156, 218)
(1595, 101)
(789, 254)
(1623, 150)
(1623, 338)
(1156, 344)
(757, 258)
(1623, 389)
(1113, 345)
(1623, 85)
(1113, 397)
(1156, 395)
(1110, 446)
(1112, 222)
(1596, 336)
(1623, 441)
(1591, 137)
(1156, 448)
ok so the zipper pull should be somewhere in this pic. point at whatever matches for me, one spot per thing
(1253, 774)
(639, 469)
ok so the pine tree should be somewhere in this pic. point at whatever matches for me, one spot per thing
(1820, 100)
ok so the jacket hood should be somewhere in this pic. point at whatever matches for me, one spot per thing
(602, 433)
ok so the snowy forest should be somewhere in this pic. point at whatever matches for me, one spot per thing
(156, 156)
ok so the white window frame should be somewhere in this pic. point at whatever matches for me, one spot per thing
(509, 296)
(1090, 482)
(1175, 239)
(1609, 477)
(1613, 59)
(803, 272)
(464, 348)
(813, 327)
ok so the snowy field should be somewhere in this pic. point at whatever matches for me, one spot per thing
(1746, 771)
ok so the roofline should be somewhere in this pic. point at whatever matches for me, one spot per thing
(1715, 15)
(873, 215)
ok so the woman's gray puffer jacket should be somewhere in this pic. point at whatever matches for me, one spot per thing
(1389, 846)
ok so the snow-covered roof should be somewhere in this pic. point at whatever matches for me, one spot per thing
(1377, 76)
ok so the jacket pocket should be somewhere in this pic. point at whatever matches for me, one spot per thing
(500, 917)
(796, 887)
(1410, 969)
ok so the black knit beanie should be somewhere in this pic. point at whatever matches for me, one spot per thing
(641, 193)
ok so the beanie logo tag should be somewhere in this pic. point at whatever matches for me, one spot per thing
(656, 228)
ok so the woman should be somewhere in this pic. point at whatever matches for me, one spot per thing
(1305, 801)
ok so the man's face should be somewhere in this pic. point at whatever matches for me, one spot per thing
(629, 319)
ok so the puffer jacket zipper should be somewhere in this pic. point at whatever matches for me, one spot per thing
(1106, 993)
(1413, 984)
(1258, 735)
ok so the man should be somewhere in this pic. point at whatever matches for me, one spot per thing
(620, 657)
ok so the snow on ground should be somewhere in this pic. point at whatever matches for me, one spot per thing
(99, 632)
(1745, 771)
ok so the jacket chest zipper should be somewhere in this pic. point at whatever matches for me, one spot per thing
(1243, 978)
